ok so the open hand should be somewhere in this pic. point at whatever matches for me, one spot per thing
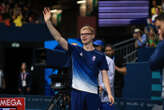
(47, 14)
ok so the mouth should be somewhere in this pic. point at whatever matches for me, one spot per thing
(84, 39)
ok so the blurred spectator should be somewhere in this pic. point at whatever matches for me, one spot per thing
(31, 19)
(99, 45)
(18, 12)
(18, 20)
(120, 70)
(17, 16)
(140, 39)
(152, 38)
(6, 15)
(157, 59)
(146, 31)
(2, 81)
(156, 9)
(2, 7)
(149, 21)
(7, 22)
(1, 18)
(162, 5)
(26, 13)
(24, 80)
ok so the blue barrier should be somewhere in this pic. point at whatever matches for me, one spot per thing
(36, 102)
(143, 54)
(28, 32)
(142, 83)
(33, 102)
(138, 81)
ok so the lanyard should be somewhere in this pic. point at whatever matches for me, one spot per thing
(23, 76)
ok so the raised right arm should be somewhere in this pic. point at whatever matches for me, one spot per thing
(56, 35)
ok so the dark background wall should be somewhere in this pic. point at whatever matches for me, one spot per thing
(11, 59)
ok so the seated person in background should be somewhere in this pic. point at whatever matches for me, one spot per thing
(152, 38)
(24, 80)
(140, 39)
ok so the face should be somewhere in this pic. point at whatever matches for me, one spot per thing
(99, 48)
(86, 36)
(151, 33)
(160, 27)
(135, 35)
(108, 51)
(23, 66)
(154, 3)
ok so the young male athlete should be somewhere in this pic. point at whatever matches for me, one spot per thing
(86, 63)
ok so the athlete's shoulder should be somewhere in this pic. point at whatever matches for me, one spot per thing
(73, 45)
(76, 47)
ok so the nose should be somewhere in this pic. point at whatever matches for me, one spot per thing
(83, 36)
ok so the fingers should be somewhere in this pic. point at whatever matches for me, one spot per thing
(110, 104)
(46, 10)
(111, 101)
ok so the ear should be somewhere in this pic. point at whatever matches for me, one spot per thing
(93, 36)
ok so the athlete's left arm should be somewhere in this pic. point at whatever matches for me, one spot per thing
(107, 85)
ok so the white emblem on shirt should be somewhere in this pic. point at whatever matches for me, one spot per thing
(81, 54)
(93, 58)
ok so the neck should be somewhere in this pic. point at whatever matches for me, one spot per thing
(23, 71)
(111, 56)
(88, 47)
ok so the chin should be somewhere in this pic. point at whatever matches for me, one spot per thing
(84, 42)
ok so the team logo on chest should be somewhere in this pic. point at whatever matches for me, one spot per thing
(93, 58)
(81, 54)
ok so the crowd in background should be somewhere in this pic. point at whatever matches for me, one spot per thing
(17, 12)
(148, 37)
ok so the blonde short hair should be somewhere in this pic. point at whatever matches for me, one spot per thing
(88, 28)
